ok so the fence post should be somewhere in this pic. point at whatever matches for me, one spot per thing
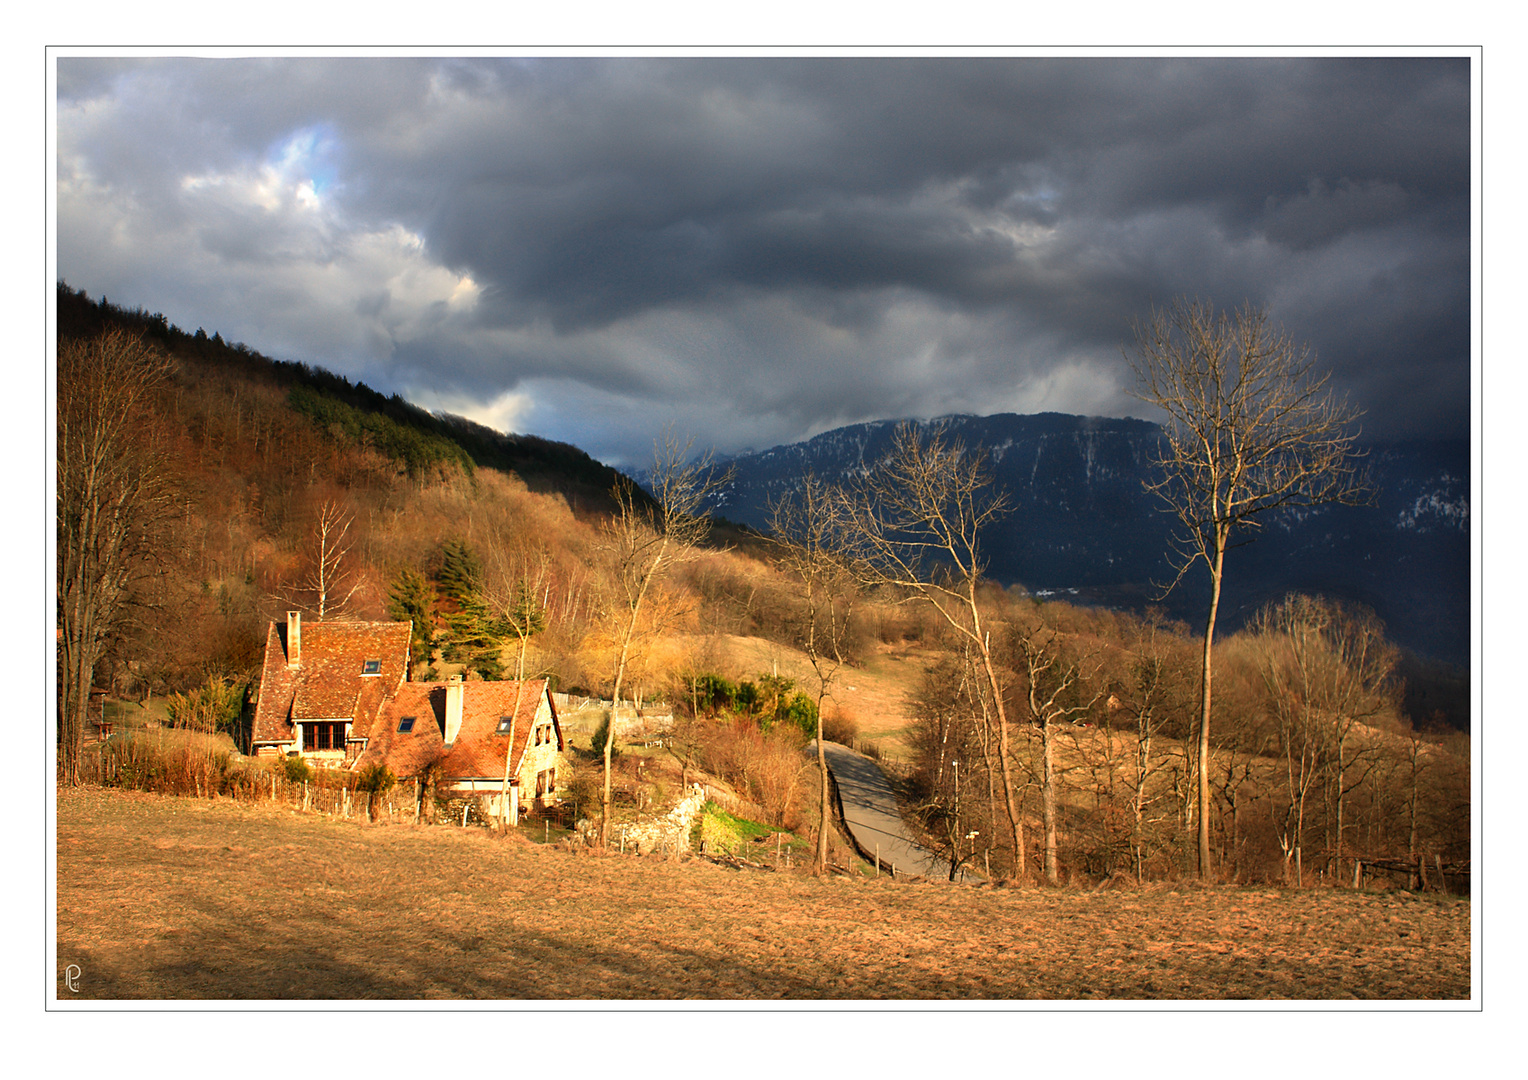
(878, 860)
(1442, 878)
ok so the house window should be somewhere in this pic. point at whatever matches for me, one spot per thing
(406, 725)
(371, 667)
(505, 723)
(324, 735)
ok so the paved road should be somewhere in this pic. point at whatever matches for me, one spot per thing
(870, 810)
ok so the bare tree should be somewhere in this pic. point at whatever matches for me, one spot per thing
(1250, 429)
(808, 531)
(1326, 669)
(1054, 695)
(646, 537)
(915, 521)
(516, 589)
(951, 733)
(1152, 701)
(112, 490)
(330, 583)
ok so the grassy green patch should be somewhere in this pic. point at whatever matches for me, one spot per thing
(543, 831)
(135, 714)
(722, 832)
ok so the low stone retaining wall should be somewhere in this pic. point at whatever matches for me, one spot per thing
(670, 833)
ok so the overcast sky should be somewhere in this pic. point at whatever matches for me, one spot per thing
(762, 249)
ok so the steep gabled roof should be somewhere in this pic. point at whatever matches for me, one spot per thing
(408, 753)
(328, 683)
(479, 748)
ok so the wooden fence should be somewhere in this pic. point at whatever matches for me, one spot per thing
(1423, 872)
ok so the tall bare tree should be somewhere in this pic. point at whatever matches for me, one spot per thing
(646, 537)
(516, 590)
(808, 530)
(1053, 695)
(1326, 669)
(1151, 699)
(1251, 428)
(330, 583)
(112, 489)
(916, 520)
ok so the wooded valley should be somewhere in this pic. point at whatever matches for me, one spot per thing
(1036, 740)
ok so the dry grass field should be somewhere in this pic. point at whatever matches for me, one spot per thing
(163, 898)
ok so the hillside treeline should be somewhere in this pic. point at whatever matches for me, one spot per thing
(1314, 764)
(283, 487)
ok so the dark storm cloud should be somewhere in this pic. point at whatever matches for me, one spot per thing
(770, 246)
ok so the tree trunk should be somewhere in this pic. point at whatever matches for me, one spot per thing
(1015, 825)
(1205, 870)
(1052, 861)
(826, 812)
(1142, 771)
(615, 703)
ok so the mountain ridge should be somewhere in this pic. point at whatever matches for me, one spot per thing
(1084, 525)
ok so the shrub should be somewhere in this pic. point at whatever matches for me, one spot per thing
(167, 761)
(584, 791)
(375, 778)
(839, 725)
(800, 711)
(601, 733)
(297, 770)
(764, 764)
(706, 693)
(213, 706)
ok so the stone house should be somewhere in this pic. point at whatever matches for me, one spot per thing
(470, 731)
(321, 687)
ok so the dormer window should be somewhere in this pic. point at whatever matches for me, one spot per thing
(505, 723)
(371, 667)
(406, 725)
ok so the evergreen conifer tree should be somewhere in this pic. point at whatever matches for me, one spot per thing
(413, 598)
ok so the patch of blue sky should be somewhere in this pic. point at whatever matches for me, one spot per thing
(308, 152)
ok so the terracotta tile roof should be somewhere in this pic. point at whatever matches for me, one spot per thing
(328, 684)
(408, 753)
(479, 748)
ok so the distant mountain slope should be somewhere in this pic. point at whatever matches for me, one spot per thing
(1084, 525)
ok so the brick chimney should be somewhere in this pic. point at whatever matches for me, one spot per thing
(454, 693)
(294, 639)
